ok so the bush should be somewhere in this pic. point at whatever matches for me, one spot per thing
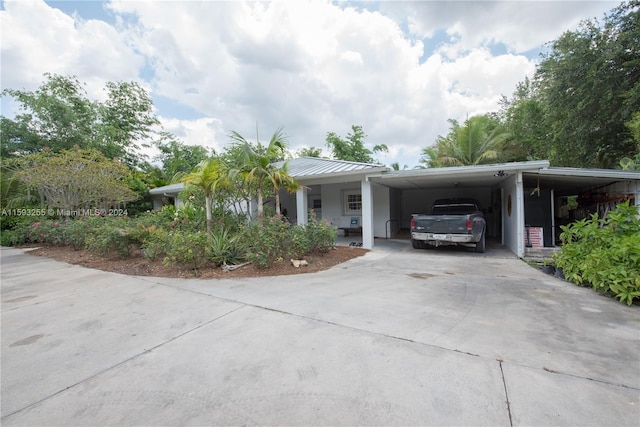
(320, 233)
(604, 253)
(277, 240)
(154, 245)
(269, 241)
(109, 238)
(186, 249)
(12, 238)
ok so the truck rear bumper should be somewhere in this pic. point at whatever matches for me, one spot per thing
(449, 238)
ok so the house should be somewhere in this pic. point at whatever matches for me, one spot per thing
(524, 202)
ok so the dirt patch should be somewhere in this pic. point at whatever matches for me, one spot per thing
(137, 265)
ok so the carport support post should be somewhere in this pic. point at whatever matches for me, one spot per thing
(301, 206)
(367, 214)
(519, 207)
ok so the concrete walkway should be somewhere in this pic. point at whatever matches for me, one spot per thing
(397, 337)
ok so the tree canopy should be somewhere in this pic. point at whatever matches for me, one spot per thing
(577, 109)
(352, 147)
(76, 179)
(59, 115)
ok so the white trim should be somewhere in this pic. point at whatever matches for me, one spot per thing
(590, 173)
(345, 202)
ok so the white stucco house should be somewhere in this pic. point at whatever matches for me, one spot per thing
(516, 197)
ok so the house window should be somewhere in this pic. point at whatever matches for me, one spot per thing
(352, 202)
(317, 203)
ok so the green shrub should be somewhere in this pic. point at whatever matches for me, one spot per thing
(225, 248)
(108, 239)
(269, 242)
(155, 244)
(12, 237)
(320, 233)
(186, 249)
(604, 253)
(76, 231)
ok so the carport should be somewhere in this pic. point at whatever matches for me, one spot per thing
(518, 198)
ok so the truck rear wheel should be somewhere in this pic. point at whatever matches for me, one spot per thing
(480, 246)
(415, 244)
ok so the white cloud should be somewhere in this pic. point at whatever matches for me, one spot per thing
(206, 132)
(308, 66)
(37, 38)
(519, 25)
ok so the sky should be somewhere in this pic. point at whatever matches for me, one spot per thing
(400, 69)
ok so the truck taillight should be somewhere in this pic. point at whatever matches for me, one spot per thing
(413, 223)
(469, 225)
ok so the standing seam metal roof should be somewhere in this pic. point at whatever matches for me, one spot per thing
(312, 166)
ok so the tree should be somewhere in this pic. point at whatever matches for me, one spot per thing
(352, 148)
(76, 179)
(589, 84)
(310, 152)
(524, 117)
(480, 141)
(59, 116)
(177, 157)
(257, 166)
(207, 176)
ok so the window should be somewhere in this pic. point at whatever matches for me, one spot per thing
(352, 202)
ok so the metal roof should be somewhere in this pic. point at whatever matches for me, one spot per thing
(172, 189)
(309, 167)
(456, 176)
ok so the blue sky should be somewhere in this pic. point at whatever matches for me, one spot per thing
(399, 69)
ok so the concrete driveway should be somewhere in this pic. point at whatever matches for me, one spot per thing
(397, 337)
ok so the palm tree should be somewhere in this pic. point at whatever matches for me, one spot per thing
(280, 178)
(479, 141)
(258, 169)
(208, 175)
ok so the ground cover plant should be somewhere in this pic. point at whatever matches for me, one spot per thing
(604, 253)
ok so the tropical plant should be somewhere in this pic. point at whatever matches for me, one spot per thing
(208, 176)
(604, 253)
(480, 140)
(258, 169)
(225, 248)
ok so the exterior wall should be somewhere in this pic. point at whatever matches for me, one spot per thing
(624, 188)
(381, 209)
(399, 221)
(332, 203)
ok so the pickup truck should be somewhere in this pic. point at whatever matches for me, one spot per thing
(451, 222)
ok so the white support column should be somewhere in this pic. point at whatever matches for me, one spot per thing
(367, 215)
(553, 217)
(301, 206)
(520, 215)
